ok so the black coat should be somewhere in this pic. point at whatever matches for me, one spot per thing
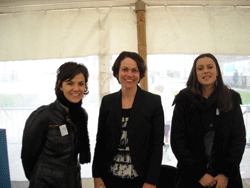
(50, 159)
(191, 121)
(145, 131)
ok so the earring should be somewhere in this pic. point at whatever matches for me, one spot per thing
(216, 82)
(198, 84)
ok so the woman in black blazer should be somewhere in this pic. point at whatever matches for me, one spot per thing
(129, 141)
(208, 131)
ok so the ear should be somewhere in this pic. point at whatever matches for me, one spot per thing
(58, 83)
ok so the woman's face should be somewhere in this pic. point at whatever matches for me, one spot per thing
(74, 89)
(129, 74)
(206, 71)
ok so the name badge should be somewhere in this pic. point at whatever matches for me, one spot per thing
(217, 112)
(63, 130)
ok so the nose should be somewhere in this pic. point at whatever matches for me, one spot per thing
(75, 87)
(130, 73)
(205, 69)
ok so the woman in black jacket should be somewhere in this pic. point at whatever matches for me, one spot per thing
(129, 141)
(55, 134)
(208, 132)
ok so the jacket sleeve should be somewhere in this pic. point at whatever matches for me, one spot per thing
(157, 139)
(236, 143)
(180, 144)
(101, 142)
(32, 140)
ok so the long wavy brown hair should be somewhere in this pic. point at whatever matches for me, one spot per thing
(225, 98)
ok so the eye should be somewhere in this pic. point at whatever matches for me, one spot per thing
(199, 68)
(69, 83)
(135, 70)
(82, 84)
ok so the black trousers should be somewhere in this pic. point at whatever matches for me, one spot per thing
(112, 181)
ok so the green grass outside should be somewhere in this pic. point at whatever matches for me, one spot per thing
(9, 100)
(175, 92)
(245, 96)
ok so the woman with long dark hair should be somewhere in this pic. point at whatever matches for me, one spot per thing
(208, 131)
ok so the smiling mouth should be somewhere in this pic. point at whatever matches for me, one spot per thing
(206, 77)
(129, 80)
(75, 95)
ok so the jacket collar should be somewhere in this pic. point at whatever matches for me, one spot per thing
(61, 107)
(140, 94)
(63, 110)
(197, 102)
(137, 102)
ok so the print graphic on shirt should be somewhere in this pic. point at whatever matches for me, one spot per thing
(122, 165)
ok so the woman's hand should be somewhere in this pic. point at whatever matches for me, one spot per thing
(221, 180)
(99, 183)
(207, 181)
(147, 185)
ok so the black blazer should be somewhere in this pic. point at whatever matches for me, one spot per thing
(145, 134)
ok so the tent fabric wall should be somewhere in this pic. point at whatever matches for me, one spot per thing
(195, 30)
(117, 33)
(69, 33)
(65, 33)
(80, 32)
(103, 31)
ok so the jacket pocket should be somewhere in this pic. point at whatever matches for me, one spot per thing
(51, 177)
(48, 176)
(57, 144)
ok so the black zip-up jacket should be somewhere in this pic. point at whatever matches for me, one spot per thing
(50, 159)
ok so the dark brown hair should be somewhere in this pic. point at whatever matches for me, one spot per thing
(136, 57)
(69, 70)
(225, 99)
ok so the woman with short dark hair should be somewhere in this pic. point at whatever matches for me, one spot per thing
(129, 141)
(55, 134)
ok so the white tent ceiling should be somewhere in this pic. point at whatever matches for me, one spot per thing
(27, 5)
(48, 29)
(29, 30)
